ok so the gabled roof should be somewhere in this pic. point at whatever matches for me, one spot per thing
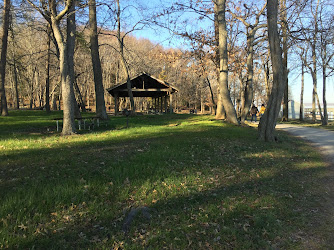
(143, 85)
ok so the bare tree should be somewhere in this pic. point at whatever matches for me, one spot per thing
(327, 55)
(225, 99)
(120, 39)
(53, 16)
(3, 59)
(251, 29)
(95, 55)
(284, 26)
(268, 121)
(301, 110)
(47, 71)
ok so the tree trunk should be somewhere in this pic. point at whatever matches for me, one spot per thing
(268, 121)
(16, 88)
(248, 90)
(94, 49)
(16, 97)
(47, 72)
(231, 115)
(267, 79)
(285, 61)
(301, 110)
(315, 97)
(33, 78)
(4, 44)
(70, 43)
(214, 106)
(325, 118)
(66, 84)
(123, 61)
(81, 99)
(325, 62)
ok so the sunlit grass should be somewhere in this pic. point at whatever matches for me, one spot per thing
(205, 183)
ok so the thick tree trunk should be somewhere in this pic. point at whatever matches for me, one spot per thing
(231, 115)
(4, 44)
(220, 112)
(66, 84)
(216, 42)
(94, 49)
(268, 121)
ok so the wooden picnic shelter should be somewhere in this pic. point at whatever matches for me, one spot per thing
(145, 85)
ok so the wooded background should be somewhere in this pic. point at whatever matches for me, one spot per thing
(40, 32)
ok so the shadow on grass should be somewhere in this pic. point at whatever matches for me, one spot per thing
(252, 214)
(206, 187)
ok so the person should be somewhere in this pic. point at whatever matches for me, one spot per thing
(262, 109)
(254, 112)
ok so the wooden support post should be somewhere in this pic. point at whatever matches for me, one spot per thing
(165, 104)
(57, 125)
(116, 103)
(161, 108)
(79, 124)
(170, 103)
(155, 105)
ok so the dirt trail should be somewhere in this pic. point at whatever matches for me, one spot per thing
(322, 235)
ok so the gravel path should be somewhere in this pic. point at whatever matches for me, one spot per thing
(320, 138)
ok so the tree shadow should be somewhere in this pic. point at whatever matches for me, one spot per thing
(79, 192)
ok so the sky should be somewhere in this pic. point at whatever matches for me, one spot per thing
(167, 39)
(295, 88)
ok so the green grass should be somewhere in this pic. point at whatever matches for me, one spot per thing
(207, 184)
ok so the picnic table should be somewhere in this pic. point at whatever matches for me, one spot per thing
(83, 122)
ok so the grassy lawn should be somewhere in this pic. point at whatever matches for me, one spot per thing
(198, 183)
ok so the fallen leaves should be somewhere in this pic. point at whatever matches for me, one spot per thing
(23, 227)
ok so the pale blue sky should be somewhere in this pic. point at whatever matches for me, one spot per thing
(167, 39)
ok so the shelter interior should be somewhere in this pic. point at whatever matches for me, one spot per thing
(145, 85)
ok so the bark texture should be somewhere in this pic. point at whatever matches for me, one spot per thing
(70, 43)
(94, 49)
(47, 72)
(66, 84)
(285, 60)
(231, 115)
(268, 121)
(3, 59)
